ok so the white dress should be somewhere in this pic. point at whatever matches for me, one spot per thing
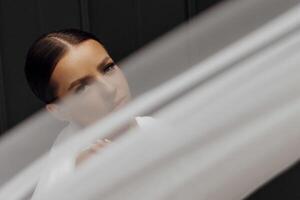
(54, 172)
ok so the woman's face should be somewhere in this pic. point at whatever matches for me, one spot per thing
(87, 70)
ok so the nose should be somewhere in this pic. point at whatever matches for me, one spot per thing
(106, 85)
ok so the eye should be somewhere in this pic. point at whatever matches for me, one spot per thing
(109, 67)
(80, 88)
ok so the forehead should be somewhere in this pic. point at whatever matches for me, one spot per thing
(77, 62)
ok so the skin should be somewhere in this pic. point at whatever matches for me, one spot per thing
(88, 71)
(97, 84)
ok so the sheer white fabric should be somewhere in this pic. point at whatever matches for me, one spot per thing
(227, 111)
(53, 173)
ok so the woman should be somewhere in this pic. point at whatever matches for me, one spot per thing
(67, 62)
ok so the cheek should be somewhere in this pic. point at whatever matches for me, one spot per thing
(61, 86)
(120, 82)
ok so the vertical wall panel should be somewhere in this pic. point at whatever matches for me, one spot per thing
(3, 124)
(157, 17)
(114, 22)
(22, 22)
(125, 26)
(204, 5)
(19, 27)
(191, 8)
(84, 15)
(59, 14)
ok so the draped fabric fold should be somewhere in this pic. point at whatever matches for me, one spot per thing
(225, 122)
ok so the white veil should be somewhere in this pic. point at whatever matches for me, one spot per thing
(226, 107)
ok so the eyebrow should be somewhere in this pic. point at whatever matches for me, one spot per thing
(87, 78)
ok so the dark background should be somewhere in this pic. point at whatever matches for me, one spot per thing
(123, 26)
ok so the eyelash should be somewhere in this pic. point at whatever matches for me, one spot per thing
(80, 88)
(109, 67)
(106, 69)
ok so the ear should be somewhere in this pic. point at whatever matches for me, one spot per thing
(56, 111)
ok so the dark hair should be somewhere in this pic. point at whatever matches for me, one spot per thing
(43, 56)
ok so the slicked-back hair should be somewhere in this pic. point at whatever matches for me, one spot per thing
(44, 54)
